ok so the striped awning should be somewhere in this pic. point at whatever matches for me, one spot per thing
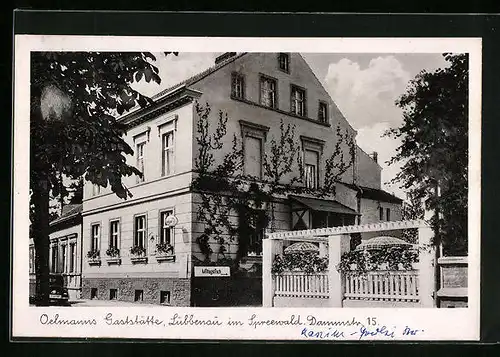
(301, 247)
(382, 242)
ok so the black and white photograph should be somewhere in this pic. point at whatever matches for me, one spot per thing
(169, 178)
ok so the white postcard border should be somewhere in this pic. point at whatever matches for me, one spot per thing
(435, 324)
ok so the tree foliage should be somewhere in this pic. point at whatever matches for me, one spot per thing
(74, 101)
(89, 140)
(234, 204)
(434, 151)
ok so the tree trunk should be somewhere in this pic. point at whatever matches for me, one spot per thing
(41, 240)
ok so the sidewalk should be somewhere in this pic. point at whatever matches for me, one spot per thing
(97, 303)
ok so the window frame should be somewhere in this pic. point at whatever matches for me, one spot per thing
(164, 151)
(317, 146)
(141, 144)
(238, 76)
(256, 131)
(381, 213)
(287, 58)
(92, 237)
(388, 214)
(294, 87)
(64, 257)
(316, 179)
(262, 79)
(54, 257)
(161, 222)
(72, 257)
(31, 259)
(325, 105)
(118, 233)
(145, 230)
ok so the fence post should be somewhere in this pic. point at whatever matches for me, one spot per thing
(323, 249)
(270, 248)
(336, 246)
(426, 265)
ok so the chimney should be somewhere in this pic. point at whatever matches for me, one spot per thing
(224, 57)
(375, 156)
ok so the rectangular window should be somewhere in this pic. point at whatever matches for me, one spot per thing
(167, 232)
(253, 156)
(113, 294)
(381, 213)
(164, 297)
(284, 62)
(93, 293)
(140, 231)
(167, 163)
(54, 259)
(140, 160)
(96, 236)
(388, 214)
(298, 101)
(32, 259)
(139, 295)
(311, 159)
(237, 86)
(72, 257)
(323, 112)
(64, 256)
(268, 92)
(114, 233)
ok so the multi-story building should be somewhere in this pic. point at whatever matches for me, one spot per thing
(144, 248)
(65, 250)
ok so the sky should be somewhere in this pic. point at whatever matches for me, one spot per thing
(364, 87)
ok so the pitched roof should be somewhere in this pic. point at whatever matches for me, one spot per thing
(68, 211)
(199, 76)
(375, 194)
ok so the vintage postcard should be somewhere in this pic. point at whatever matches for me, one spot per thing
(247, 188)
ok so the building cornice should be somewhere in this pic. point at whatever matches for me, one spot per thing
(173, 100)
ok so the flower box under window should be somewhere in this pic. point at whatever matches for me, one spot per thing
(94, 261)
(113, 255)
(94, 257)
(138, 254)
(162, 257)
(164, 252)
(113, 260)
(139, 259)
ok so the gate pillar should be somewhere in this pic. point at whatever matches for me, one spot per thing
(270, 248)
(337, 245)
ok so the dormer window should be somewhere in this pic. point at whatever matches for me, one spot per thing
(284, 62)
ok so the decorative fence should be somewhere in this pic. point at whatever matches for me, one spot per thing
(300, 285)
(383, 286)
(335, 289)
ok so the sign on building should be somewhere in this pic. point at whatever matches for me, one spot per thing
(211, 271)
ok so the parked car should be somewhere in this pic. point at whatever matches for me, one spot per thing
(58, 292)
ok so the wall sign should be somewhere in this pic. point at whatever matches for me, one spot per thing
(211, 271)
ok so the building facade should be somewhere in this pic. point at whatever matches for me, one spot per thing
(144, 249)
(65, 250)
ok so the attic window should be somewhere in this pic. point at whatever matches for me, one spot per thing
(284, 62)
